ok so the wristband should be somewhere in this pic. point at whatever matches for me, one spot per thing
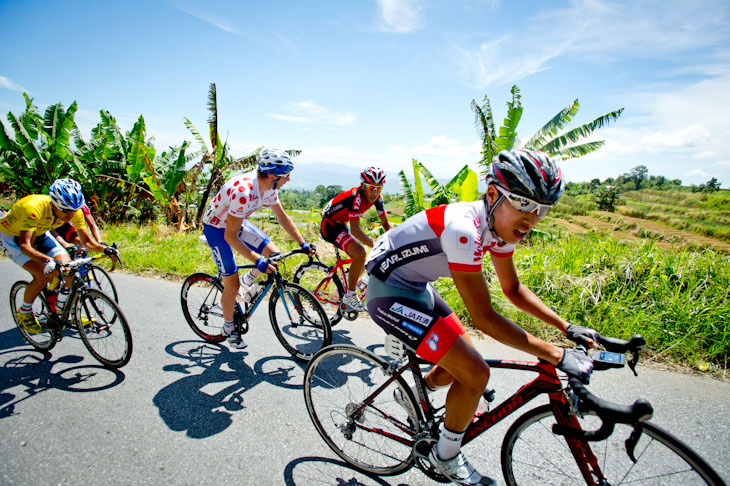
(262, 264)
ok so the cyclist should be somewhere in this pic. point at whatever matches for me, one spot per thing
(226, 227)
(450, 241)
(347, 207)
(26, 239)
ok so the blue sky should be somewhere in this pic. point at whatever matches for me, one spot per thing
(379, 82)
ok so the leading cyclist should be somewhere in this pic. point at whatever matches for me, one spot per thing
(26, 239)
(450, 241)
(348, 207)
(226, 227)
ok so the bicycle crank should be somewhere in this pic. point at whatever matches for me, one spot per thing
(423, 442)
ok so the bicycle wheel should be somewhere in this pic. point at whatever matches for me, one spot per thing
(99, 279)
(328, 291)
(299, 322)
(377, 439)
(103, 329)
(47, 338)
(532, 454)
(200, 298)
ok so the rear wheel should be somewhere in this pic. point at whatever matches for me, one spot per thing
(200, 298)
(299, 322)
(103, 329)
(44, 340)
(328, 291)
(373, 433)
(532, 454)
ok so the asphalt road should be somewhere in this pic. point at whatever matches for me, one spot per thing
(185, 412)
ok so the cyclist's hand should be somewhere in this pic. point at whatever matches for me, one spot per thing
(50, 266)
(582, 335)
(264, 266)
(111, 252)
(576, 363)
(71, 250)
(311, 248)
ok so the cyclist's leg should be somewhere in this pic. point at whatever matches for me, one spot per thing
(256, 240)
(223, 257)
(11, 248)
(357, 252)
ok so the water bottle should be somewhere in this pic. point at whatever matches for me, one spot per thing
(252, 291)
(362, 284)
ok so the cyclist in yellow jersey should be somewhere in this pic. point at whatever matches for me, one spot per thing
(25, 238)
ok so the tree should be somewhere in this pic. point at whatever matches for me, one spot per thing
(605, 197)
(462, 187)
(712, 185)
(547, 139)
(638, 175)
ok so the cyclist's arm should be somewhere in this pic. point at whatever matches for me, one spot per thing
(60, 239)
(89, 241)
(286, 222)
(358, 233)
(384, 221)
(25, 242)
(233, 224)
(474, 291)
(522, 297)
(92, 226)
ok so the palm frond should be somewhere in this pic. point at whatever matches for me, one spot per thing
(196, 134)
(574, 151)
(440, 195)
(405, 187)
(484, 121)
(551, 128)
(508, 132)
(581, 132)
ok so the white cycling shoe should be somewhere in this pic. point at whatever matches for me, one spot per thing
(353, 303)
(458, 470)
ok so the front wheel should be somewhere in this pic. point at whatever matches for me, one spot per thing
(328, 291)
(200, 298)
(372, 432)
(47, 338)
(99, 279)
(299, 322)
(103, 329)
(532, 454)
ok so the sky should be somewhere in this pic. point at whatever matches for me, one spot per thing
(382, 82)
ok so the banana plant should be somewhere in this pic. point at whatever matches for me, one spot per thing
(462, 187)
(547, 139)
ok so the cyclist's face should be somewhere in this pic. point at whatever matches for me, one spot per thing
(510, 224)
(63, 215)
(371, 192)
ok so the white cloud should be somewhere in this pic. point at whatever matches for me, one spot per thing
(441, 146)
(399, 16)
(597, 29)
(307, 112)
(697, 173)
(9, 84)
(690, 137)
(722, 163)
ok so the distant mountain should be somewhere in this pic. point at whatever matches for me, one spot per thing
(309, 176)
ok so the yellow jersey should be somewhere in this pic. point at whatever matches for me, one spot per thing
(35, 213)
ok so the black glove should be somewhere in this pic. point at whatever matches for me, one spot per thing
(577, 364)
(580, 335)
(110, 251)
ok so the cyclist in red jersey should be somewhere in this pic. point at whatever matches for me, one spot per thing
(348, 207)
(450, 241)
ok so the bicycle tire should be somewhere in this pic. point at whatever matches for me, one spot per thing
(48, 337)
(299, 322)
(106, 335)
(338, 379)
(532, 454)
(329, 293)
(200, 298)
(99, 279)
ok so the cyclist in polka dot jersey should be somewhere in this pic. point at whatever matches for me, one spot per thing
(226, 227)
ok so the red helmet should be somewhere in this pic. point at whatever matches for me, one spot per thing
(373, 175)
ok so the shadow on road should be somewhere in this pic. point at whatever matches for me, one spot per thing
(322, 470)
(202, 402)
(25, 372)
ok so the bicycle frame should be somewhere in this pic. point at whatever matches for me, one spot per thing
(547, 382)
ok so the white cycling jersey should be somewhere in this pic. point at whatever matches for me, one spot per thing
(433, 242)
(239, 197)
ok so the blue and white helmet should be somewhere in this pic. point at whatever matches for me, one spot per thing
(274, 161)
(66, 194)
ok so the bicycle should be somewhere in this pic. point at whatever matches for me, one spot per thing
(329, 283)
(100, 322)
(96, 276)
(351, 400)
(299, 322)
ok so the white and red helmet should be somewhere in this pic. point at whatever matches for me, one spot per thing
(373, 175)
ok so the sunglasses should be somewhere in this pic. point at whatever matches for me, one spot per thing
(525, 205)
(374, 188)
